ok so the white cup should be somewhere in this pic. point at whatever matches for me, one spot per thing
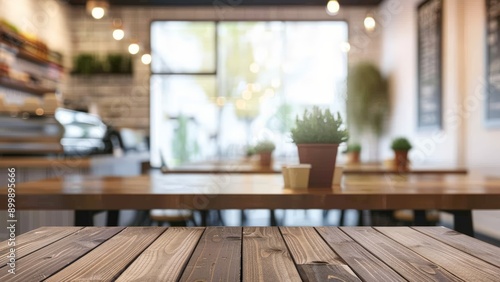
(299, 175)
(286, 177)
(337, 175)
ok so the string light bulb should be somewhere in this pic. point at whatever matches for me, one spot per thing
(333, 7)
(97, 8)
(369, 23)
(146, 59)
(118, 32)
(134, 48)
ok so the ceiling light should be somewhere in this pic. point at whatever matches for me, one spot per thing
(146, 59)
(370, 23)
(97, 8)
(133, 48)
(345, 47)
(118, 32)
(333, 7)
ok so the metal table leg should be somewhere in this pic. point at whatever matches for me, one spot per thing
(112, 218)
(84, 218)
(462, 221)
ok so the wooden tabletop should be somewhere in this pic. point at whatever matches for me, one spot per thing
(250, 254)
(225, 166)
(252, 166)
(367, 168)
(254, 191)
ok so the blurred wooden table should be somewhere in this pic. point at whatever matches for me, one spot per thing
(456, 193)
(225, 166)
(250, 254)
(375, 168)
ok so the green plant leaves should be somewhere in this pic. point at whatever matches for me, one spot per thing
(319, 127)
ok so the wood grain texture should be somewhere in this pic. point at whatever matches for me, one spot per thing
(404, 261)
(307, 247)
(266, 257)
(47, 261)
(217, 256)
(325, 272)
(166, 258)
(363, 263)
(477, 248)
(455, 261)
(110, 259)
(33, 240)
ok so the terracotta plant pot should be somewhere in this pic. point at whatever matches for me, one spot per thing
(353, 157)
(322, 158)
(401, 160)
(265, 159)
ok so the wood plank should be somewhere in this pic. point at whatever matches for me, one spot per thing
(362, 262)
(165, 259)
(470, 245)
(324, 272)
(455, 261)
(307, 247)
(217, 256)
(404, 261)
(33, 240)
(266, 257)
(47, 261)
(108, 261)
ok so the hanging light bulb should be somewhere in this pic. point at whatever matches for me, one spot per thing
(332, 7)
(118, 32)
(97, 8)
(146, 59)
(345, 47)
(134, 48)
(370, 23)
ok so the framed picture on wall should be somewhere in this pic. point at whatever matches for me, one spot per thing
(492, 106)
(430, 25)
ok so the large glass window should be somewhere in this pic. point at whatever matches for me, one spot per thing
(217, 88)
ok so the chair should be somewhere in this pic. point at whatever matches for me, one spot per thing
(170, 216)
(407, 217)
(173, 217)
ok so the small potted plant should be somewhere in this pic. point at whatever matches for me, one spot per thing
(250, 151)
(401, 146)
(265, 150)
(317, 135)
(353, 152)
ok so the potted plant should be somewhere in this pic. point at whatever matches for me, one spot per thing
(367, 105)
(250, 151)
(318, 135)
(265, 150)
(87, 64)
(401, 146)
(353, 152)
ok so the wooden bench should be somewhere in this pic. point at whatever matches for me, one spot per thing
(250, 254)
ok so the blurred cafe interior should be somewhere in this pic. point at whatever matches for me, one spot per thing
(127, 88)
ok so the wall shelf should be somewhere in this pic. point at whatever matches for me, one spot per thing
(24, 87)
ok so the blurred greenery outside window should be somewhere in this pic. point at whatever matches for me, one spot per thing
(218, 87)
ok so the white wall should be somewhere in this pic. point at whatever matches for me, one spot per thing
(399, 64)
(483, 144)
(466, 140)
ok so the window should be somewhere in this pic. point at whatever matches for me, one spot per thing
(218, 87)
